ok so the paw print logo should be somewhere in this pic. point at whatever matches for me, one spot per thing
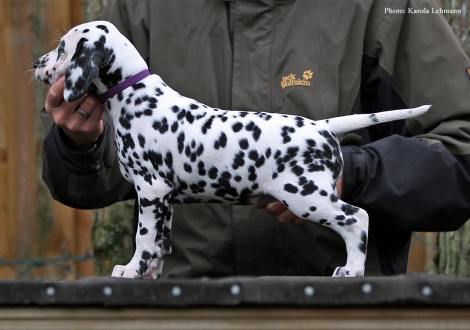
(307, 75)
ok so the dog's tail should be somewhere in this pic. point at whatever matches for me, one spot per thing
(353, 122)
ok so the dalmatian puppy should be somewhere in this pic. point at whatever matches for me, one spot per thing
(177, 150)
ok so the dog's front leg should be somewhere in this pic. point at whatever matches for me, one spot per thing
(153, 240)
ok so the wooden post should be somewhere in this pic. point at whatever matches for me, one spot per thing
(72, 228)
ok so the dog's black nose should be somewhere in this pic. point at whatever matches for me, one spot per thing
(36, 64)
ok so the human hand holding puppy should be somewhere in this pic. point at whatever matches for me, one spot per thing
(82, 128)
(283, 215)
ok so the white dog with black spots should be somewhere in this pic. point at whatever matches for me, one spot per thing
(176, 150)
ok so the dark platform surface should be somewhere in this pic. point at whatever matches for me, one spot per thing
(399, 291)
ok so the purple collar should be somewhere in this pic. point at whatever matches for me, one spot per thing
(123, 85)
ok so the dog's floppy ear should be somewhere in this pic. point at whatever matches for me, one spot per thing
(83, 68)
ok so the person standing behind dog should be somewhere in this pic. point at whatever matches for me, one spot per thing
(317, 59)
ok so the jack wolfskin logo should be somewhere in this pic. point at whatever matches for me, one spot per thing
(291, 80)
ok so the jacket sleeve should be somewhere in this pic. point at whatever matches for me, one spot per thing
(83, 179)
(406, 184)
(420, 183)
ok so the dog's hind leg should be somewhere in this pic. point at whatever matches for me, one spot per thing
(350, 222)
(153, 240)
(355, 236)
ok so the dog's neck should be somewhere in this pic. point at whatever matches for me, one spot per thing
(124, 67)
(123, 85)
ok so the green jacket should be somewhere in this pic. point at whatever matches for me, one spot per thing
(317, 59)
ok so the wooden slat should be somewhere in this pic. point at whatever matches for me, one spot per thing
(18, 122)
(83, 226)
(7, 209)
(236, 318)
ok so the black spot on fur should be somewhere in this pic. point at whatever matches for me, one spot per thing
(207, 125)
(201, 168)
(291, 188)
(349, 209)
(237, 127)
(268, 153)
(103, 27)
(373, 118)
(127, 140)
(174, 127)
(155, 158)
(189, 117)
(297, 170)
(363, 245)
(243, 143)
(221, 142)
(125, 119)
(169, 160)
(252, 176)
(146, 255)
(161, 126)
(299, 121)
(286, 131)
(138, 86)
(180, 141)
(141, 140)
(213, 173)
(256, 131)
(238, 160)
(309, 189)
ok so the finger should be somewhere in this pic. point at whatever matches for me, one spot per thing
(91, 124)
(84, 130)
(279, 210)
(55, 104)
(285, 216)
(339, 186)
(300, 221)
(275, 208)
(93, 108)
(55, 96)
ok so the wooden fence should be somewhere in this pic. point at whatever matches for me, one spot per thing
(26, 30)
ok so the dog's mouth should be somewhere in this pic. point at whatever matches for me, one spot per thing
(46, 72)
(41, 75)
(44, 80)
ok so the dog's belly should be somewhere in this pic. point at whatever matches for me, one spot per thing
(259, 199)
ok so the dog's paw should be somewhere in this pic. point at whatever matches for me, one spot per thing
(150, 270)
(154, 270)
(125, 272)
(345, 272)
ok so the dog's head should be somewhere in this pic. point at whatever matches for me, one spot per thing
(94, 52)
